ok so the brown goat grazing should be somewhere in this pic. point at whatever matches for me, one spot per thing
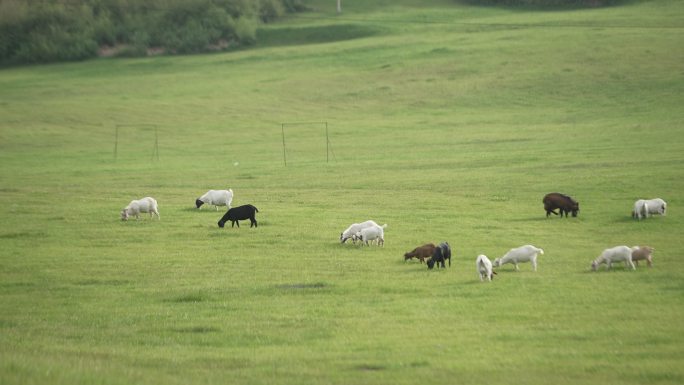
(566, 204)
(640, 253)
(421, 252)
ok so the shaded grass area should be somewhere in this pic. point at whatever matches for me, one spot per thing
(301, 35)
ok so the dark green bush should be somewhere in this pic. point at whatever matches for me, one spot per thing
(294, 6)
(43, 31)
(270, 10)
(49, 32)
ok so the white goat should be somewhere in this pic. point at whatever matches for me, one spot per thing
(527, 253)
(216, 198)
(144, 205)
(615, 254)
(643, 207)
(640, 209)
(351, 231)
(484, 267)
(370, 234)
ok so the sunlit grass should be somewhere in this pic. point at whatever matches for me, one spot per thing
(444, 131)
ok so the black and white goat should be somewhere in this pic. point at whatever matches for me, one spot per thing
(442, 253)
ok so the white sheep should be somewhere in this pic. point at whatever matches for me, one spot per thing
(640, 209)
(527, 253)
(370, 234)
(484, 267)
(615, 254)
(216, 198)
(657, 206)
(144, 205)
(354, 228)
(650, 206)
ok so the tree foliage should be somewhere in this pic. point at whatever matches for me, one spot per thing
(41, 31)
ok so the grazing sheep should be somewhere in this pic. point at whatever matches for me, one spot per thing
(351, 231)
(239, 213)
(484, 267)
(566, 204)
(441, 253)
(370, 234)
(643, 207)
(421, 252)
(615, 254)
(144, 205)
(640, 209)
(527, 253)
(216, 198)
(640, 253)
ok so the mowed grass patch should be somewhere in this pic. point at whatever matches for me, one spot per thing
(447, 122)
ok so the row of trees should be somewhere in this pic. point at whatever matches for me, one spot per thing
(40, 31)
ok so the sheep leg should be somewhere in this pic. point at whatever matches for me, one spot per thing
(630, 263)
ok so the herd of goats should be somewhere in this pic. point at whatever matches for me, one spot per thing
(369, 232)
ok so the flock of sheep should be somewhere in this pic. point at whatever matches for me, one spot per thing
(369, 232)
(212, 197)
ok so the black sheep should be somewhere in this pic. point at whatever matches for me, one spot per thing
(239, 213)
(442, 252)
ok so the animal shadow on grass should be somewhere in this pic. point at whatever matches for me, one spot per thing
(535, 218)
(628, 219)
(196, 329)
(617, 268)
(195, 209)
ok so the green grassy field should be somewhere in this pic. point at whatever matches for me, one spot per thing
(447, 122)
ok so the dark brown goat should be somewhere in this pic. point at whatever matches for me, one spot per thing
(562, 202)
(421, 252)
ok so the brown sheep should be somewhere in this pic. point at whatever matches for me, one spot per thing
(642, 252)
(421, 252)
(553, 201)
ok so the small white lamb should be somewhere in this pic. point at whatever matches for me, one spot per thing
(484, 267)
(372, 233)
(527, 253)
(144, 205)
(615, 254)
(354, 228)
